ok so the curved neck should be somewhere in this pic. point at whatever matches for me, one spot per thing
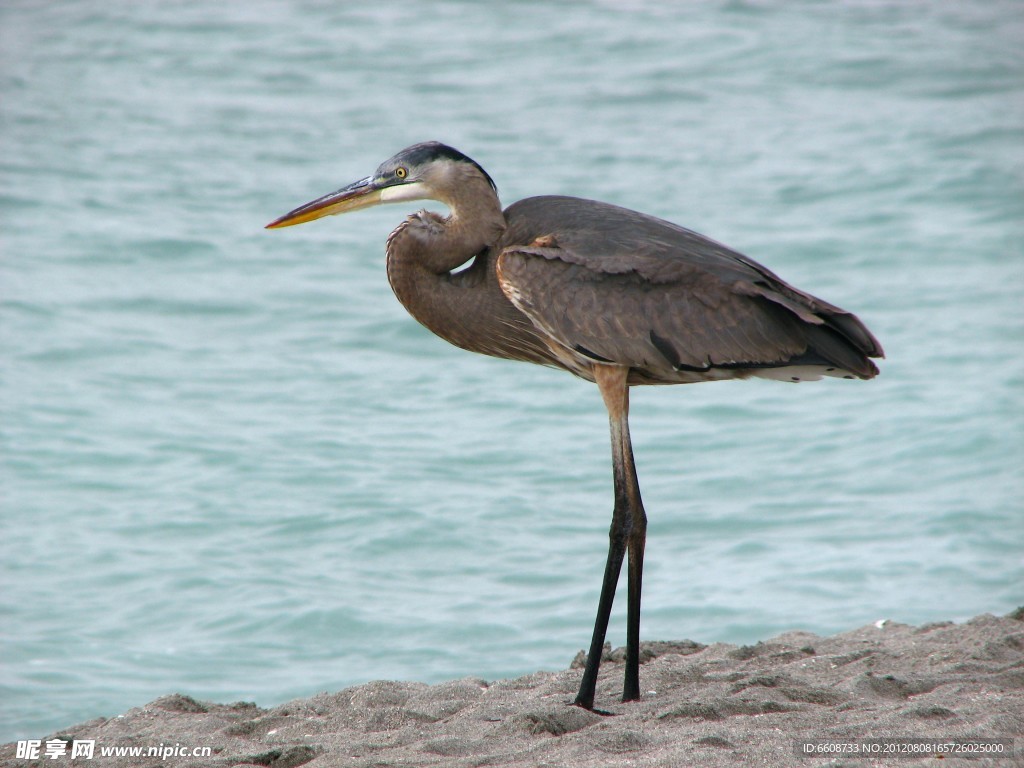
(442, 244)
(424, 250)
(466, 308)
(420, 275)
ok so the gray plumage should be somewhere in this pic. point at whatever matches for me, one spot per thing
(609, 294)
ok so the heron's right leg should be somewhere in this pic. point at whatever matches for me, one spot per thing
(618, 535)
(611, 379)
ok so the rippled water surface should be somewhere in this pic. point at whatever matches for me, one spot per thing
(232, 466)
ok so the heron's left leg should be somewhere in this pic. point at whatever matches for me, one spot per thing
(635, 552)
(612, 382)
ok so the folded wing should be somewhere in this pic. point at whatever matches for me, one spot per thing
(613, 285)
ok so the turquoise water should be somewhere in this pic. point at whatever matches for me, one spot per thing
(232, 466)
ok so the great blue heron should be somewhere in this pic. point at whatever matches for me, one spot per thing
(611, 295)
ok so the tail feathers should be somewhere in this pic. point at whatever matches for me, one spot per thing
(833, 334)
(847, 346)
(854, 330)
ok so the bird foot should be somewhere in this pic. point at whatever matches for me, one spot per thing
(595, 710)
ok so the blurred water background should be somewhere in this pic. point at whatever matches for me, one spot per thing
(233, 467)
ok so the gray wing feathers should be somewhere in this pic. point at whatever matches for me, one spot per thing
(639, 291)
(621, 317)
(663, 315)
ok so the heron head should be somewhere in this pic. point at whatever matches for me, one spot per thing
(427, 171)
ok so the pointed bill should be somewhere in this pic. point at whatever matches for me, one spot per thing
(360, 194)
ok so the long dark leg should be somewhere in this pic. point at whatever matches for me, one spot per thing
(618, 536)
(628, 534)
(637, 541)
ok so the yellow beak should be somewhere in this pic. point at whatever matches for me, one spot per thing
(360, 194)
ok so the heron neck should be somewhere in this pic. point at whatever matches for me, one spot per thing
(421, 256)
(466, 308)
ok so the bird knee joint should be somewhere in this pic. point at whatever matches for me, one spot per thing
(620, 530)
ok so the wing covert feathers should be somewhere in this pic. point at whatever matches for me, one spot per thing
(672, 305)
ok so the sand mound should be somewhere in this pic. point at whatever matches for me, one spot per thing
(719, 705)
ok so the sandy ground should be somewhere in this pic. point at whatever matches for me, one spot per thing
(719, 705)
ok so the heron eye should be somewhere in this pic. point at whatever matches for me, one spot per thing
(401, 172)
